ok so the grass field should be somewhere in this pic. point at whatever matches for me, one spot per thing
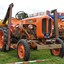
(11, 56)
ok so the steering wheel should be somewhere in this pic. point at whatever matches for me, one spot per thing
(19, 15)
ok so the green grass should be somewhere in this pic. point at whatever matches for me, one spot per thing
(11, 56)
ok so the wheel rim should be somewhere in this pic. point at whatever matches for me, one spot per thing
(1, 39)
(21, 51)
(56, 52)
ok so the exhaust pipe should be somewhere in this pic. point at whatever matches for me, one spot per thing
(56, 32)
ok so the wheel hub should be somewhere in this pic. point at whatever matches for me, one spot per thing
(21, 51)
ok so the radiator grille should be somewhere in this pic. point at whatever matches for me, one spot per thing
(44, 25)
(49, 26)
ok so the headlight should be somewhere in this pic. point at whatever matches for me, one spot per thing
(30, 26)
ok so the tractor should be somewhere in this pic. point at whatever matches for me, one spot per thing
(60, 25)
(25, 33)
(60, 28)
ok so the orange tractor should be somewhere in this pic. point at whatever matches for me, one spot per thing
(60, 21)
(35, 32)
(61, 28)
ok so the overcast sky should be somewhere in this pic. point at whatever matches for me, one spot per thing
(31, 6)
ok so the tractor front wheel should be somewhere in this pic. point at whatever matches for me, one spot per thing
(23, 50)
(58, 51)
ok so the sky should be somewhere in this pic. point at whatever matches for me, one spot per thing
(30, 6)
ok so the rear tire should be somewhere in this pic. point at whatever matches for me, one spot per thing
(3, 38)
(23, 50)
(59, 51)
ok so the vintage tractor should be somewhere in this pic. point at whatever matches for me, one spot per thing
(61, 28)
(35, 32)
(60, 21)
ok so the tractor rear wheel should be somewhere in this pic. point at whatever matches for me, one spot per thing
(23, 50)
(59, 51)
(3, 38)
